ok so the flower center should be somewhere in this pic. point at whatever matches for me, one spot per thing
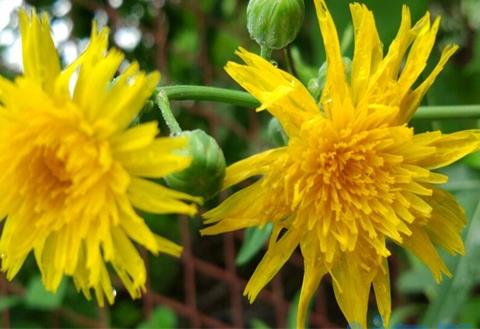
(55, 166)
(337, 182)
(57, 161)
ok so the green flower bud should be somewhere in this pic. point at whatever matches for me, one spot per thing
(316, 85)
(204, 176)
(276, 134)
(274, 23)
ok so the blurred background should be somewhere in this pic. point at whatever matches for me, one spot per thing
(189, 42)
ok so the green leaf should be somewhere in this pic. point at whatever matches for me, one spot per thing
(305, 72)
(417, 280)
(403, 313)
(7, 302)
(258, 324)
(469, 313)
(292, 312)
(162, 317)
(37, 297)
(254, 240)
(453, 293)
(125, 314)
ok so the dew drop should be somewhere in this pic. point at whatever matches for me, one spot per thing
(274, 63)
(114, 293)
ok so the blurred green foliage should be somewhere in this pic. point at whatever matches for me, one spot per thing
(189, 42)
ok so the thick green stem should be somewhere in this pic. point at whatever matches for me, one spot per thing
(265, 52)
(212, 94)
(241, 98)
(163, 104)
(447, 112)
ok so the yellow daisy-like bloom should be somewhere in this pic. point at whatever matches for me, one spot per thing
(72, 170)
(353, 175)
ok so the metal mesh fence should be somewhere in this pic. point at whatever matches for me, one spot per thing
(211, 291)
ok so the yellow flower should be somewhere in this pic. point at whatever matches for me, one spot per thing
(353, 175)
(72, 170)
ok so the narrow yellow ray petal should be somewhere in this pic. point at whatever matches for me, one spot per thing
(411, 103)
(447, 220)
(277, 254)
(450, 147)
(40, 59)
(336, 89)
(313, 274)
(368, 49)
(135, 138)
(381, 287)
(254, 165)
(157, 199)
(352, 288)
(156, 160)
(279, 92)
(420, 244)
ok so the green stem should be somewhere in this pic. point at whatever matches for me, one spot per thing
(213, 94)
(241, 98)
(288, 61)
(162, 101)
(265, 52)
(447, 112)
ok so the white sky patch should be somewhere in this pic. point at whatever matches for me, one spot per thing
(101, 17)
(115, 3)
(127, 37)
(12, 56)
(69, 52)
(7, 37)
(6, 9)
(61, 7)
(61, 29)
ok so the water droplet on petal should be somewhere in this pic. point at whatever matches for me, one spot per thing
(274, 63)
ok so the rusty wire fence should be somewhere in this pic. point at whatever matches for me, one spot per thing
(209, 294)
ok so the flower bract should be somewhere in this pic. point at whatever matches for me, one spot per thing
(354, 176)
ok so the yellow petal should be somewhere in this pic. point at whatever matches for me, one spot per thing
(40, 59)
(157, 159)
(279, 92)
(276, 256)
(313, 274)
(411, 103)
(336, 90)
(128, 264)
(368, 49)
(151, 197)
(448, 147)
(418, 54)
(419, 243)
(246, 204)
(135, 138)
(168, 247)
(447, 220)
(255, 165)
(352, 288)
(381, 287)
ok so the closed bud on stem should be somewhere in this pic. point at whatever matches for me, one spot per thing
(316, 84)
(274, 24)
(204, 176)
(276, 134)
